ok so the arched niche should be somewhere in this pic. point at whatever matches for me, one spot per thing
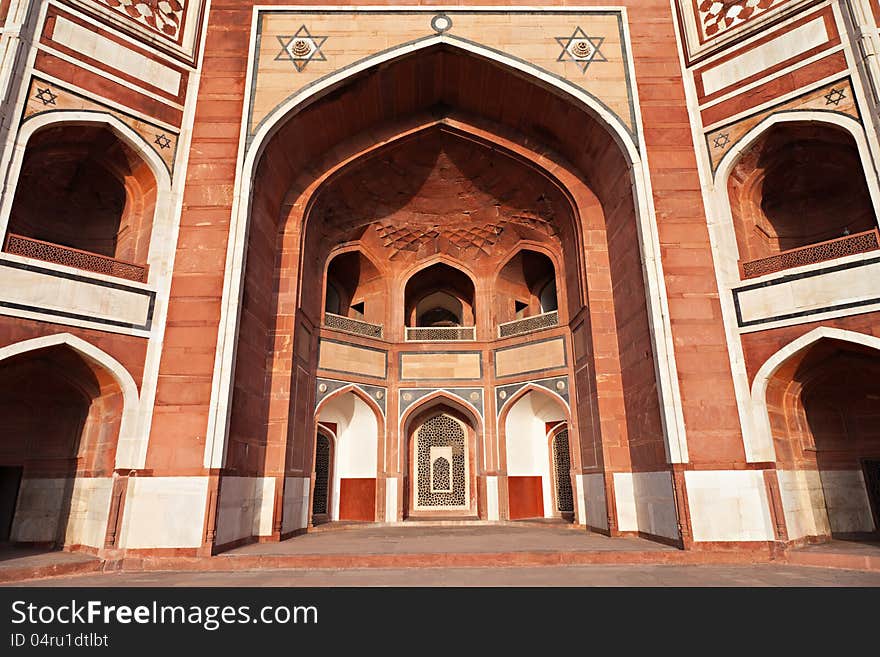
(83, 191)
(799, 184)
(61, 415)
(439, 296)
(824, 419)
(526, 286)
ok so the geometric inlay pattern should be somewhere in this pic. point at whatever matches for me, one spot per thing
(561, 473)
(836, 97)
(581, 49)
(46, 96)
(557, 385)
(301, 48)
(322, 475)
(440, 431)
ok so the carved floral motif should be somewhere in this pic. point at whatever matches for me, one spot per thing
(162, 16)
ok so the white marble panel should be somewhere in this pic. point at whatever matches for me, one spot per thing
(596, 508)
(803, 503)
(111, 53)
(846, 499)
(729, 505)
(767, 55)
(164, 512)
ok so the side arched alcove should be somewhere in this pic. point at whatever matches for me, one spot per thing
(441, 174)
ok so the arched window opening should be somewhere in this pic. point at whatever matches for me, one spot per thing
(441, 476)
(439, 304)
(798, 196)
(526, 298)
(354, 300)
(536, 466)
(84, 199)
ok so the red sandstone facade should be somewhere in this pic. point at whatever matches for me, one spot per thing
(269, 267)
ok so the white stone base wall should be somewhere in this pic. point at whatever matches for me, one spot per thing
(296, 504)
(38, 510)
(164, 512)
(391, 499)
(729, 505)
(803, 502)
(245, 508)
(646, 503)
(579, 501)
(846, 499)
(89, 511)
(594, 500)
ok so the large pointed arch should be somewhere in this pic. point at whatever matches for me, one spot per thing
(131, 449)
(762, 436)
(253, 147)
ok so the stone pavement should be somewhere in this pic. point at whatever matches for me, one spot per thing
(650, 575)
(426, 554)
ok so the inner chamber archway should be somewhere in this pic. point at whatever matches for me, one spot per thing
(537, 457)
(60, 417)
(825, 422)
(435, 175)
(441, 462)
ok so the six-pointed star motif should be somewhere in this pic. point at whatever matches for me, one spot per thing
(581, 49)
(46, 96)
(301, 48)
(835, 96)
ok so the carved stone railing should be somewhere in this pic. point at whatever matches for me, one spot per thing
(355, 326)
(529, 324)
(441, 334)
(808, 255)
(65, 255)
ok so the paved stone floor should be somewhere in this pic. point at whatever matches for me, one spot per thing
(430, 539)
(13, 558)
(663, 576)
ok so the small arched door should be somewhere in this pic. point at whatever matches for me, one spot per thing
(563, 496)
(321, 495)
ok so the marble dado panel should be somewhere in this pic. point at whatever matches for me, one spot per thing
(296, 49)
(67, 296)
(846, 287)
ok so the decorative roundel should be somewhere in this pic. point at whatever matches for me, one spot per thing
(475, 396)
(322, 388)
(407, 397)
(379, 394)
(301, 48)
(580, 49)
(503, 394)
(560, 385)
(441, 23)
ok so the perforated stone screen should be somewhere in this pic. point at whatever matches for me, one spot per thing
(561, 468)
(441, 431)
(322, 475)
